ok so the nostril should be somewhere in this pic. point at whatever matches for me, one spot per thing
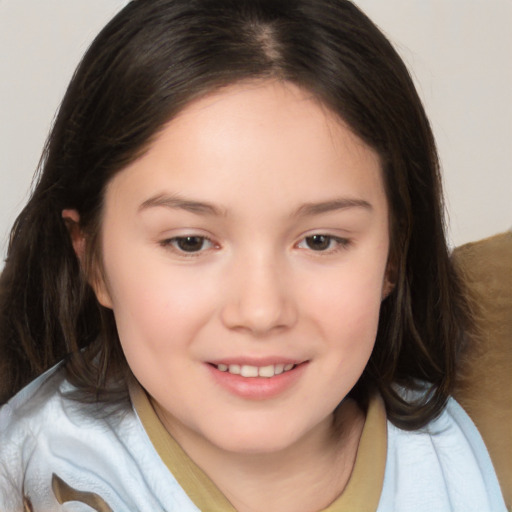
(258, 319)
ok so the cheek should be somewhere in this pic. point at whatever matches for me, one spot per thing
(347, 314)
(352, 299)
(156, 303)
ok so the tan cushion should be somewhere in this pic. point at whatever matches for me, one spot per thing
(484, 386)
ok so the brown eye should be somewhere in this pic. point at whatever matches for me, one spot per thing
(328, 244)
(189, 243)
(319, 242)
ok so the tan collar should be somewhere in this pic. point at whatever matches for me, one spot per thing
(362, 492)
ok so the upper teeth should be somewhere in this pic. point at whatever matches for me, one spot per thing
(255, 371)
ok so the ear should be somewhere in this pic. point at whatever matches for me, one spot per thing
(72, 221)
(389, 282)
(387, 288)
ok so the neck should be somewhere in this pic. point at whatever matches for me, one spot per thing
(308, 475)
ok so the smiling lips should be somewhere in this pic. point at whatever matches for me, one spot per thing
(257, 381)
(256, 371)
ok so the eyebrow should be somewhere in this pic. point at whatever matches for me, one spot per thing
(176, 202)
(205, 208)
(310, 209)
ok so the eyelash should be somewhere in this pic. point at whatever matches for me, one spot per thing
(339, 244)
(174, 244)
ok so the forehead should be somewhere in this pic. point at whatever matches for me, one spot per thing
(271, 138)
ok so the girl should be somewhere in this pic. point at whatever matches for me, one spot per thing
(231, 283)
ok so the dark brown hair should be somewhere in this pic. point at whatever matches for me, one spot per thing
(151, 60)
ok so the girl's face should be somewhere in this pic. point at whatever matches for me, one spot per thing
(245, 261)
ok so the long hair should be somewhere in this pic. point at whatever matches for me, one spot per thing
(147, 64)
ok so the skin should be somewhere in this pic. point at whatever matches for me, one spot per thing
(258, 170)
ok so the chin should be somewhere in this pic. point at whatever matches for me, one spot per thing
(258, 438)
(252, 445)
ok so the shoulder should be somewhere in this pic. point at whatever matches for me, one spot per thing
(24, 411)
(52, 445)
(21, 421)
(444, 467)
(35, 407)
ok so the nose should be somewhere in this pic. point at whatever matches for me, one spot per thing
(259, 297)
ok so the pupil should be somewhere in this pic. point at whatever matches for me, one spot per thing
(318, 242)
(190, 243)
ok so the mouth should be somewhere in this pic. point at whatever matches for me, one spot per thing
(257, 379)
(249, 371)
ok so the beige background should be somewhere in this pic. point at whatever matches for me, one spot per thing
(459, 52)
